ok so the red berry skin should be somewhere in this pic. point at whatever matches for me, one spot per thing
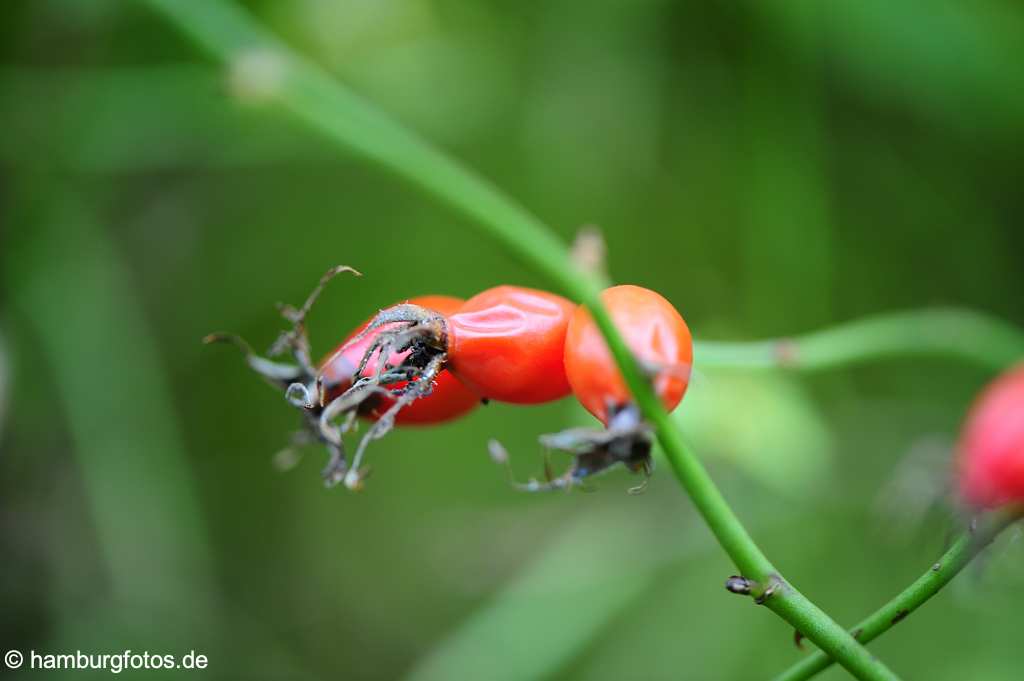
(654, 331)
(991, 449)
(506, 344)
(449, 400)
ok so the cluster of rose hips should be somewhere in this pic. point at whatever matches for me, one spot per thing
(434, 358)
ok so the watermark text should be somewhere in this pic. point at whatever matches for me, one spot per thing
(115, 663)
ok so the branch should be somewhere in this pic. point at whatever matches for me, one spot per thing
(964, 334)
(964, 549)
(228, 33)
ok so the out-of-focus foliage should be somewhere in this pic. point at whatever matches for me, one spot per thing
(4, 381)
(765, 425)
(771, 168)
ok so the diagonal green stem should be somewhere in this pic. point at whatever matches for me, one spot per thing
(940, 332)
(314, 97)
(964, 549)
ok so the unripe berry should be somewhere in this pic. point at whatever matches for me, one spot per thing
(991, 450)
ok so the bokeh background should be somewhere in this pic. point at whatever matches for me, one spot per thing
(771, 168)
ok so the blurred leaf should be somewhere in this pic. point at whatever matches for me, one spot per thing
(406, 56)
(788, 232)
(764, 424)
(596, 566)
(69, 284)
(139, 119)
(4, 381)
(956, 63)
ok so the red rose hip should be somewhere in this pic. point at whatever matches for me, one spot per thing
(654, 331)
(990, 469)
(507, 344)
(448, 400)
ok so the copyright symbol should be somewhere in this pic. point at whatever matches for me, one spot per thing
(13, 659)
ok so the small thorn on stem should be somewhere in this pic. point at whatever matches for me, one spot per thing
(738, 585)
(798, 639)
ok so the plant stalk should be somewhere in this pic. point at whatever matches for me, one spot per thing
(941, 332)
(968, 545)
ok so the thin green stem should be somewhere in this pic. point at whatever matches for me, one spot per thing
(968, 545)
(940, 332)
(787, 602)
(314, 97)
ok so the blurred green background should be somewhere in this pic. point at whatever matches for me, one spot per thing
(771, 168)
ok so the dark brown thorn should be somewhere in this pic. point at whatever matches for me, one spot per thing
(738, 584)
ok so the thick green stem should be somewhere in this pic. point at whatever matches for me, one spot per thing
(964, 549)
(940, 332)
(314, 97)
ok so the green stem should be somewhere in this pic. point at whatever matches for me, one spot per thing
(313, 96)
(964, 549)
(939, 332)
